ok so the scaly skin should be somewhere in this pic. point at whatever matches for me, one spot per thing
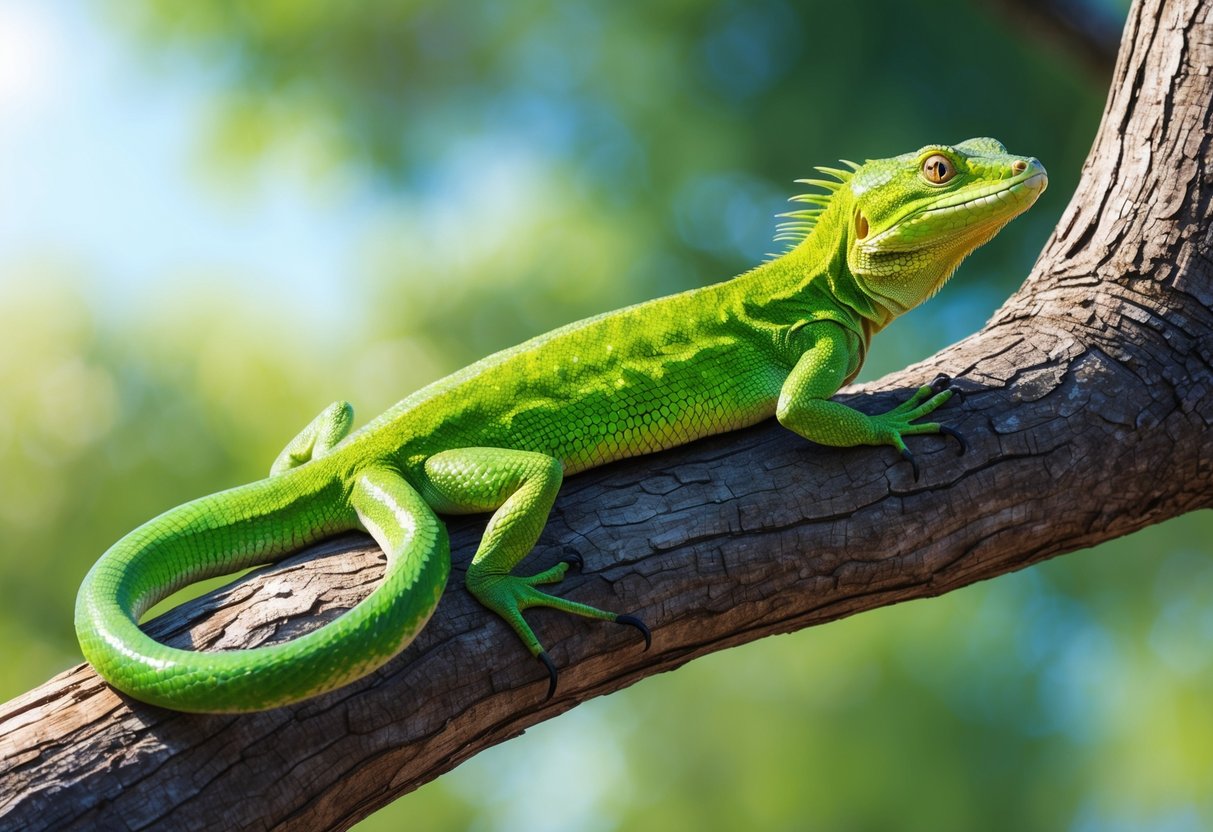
(499, 435)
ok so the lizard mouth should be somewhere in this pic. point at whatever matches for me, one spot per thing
(991, 206)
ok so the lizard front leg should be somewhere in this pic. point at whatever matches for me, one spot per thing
(805, 408)
(519, 487)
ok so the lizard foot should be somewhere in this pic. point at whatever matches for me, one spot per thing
(896, 424)
(508, 595)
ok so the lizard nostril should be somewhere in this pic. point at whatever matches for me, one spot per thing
(1019, 166)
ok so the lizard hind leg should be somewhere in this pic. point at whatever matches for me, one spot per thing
(319, 437)
(519, 487)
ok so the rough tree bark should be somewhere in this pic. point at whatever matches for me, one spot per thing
(1088, 410)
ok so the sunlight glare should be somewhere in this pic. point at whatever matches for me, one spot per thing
(29, 57)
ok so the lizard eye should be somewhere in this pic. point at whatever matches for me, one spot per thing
(938, 169)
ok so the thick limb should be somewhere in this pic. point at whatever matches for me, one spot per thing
(519, 487)
(805, 408)
(319, 437)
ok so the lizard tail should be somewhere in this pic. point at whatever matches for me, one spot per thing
(222, 533)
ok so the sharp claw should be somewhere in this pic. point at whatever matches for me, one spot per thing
(958, 395)
(633, 621)
(551, 666)
(955, 434)
(941, 382)
(909, 457)
(572, 558)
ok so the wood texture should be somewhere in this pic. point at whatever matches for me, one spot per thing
(1089, 400)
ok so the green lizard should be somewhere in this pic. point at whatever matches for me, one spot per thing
(499, 436)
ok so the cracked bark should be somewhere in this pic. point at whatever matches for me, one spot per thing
(1088, 410)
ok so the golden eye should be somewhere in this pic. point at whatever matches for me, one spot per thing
(938, 169)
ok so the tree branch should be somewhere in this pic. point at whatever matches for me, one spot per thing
(1089, 399)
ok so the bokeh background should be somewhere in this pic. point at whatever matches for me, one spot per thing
(215, 218)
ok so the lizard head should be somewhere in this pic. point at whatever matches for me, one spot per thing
(908, 221)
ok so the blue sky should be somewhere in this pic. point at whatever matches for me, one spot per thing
(102, 170)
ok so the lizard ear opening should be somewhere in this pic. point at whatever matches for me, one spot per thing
(861, 225)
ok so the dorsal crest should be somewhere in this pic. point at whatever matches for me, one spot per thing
(800, 223)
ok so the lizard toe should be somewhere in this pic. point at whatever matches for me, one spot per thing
(958, 436)
(551, 668)
(573, 558)
(633, 621)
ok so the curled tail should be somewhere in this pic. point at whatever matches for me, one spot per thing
(248, 526)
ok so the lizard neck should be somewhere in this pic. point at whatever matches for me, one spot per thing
(813, 282)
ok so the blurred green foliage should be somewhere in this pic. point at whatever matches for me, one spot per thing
(542, 161)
